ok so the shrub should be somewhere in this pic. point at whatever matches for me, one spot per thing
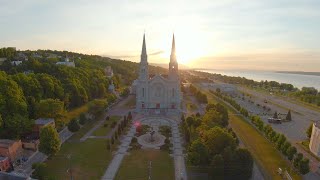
(73, 125)
(134, 140)
(113, 124)
(82, 118)
(304, 166)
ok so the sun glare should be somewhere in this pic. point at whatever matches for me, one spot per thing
(188, 48)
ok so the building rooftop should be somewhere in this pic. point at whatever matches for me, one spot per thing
(3, 158)
(317, 124)
(6, 142)
(44, 121)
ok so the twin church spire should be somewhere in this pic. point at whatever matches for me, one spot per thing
(144, 55)
(173, 64)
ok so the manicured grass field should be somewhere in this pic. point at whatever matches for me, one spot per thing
(262, 150)
(136, 165)
(103, 131)
(89, 160)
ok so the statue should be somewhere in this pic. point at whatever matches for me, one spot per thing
(151, 136)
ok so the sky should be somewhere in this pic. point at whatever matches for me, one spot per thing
(216, 34)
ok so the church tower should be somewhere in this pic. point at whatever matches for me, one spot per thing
(143, 71)
(173, 65)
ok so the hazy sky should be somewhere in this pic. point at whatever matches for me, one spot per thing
(232, 34)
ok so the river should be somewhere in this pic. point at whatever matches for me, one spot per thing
(298, 80)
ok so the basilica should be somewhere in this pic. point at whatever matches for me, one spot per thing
(158, 94)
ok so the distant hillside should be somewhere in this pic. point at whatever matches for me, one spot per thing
(181, 66)
(300, 72)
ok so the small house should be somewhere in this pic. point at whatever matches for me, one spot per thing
(10, 148)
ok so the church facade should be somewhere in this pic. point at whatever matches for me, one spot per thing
(159, 94)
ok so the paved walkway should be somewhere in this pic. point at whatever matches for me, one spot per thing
(179, 163)
(118, 157)
(88, 134)
(115, 109)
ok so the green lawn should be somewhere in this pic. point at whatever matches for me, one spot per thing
(264, 153)
(135, 165)
(262, 150)
(89, 159)
(103, 131)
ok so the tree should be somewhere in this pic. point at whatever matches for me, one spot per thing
(49, 141)
(243, 164)
(51, 86)
(275, 115)
(97, 106)
(304, 166)
(297, 159)
(187, 135)
(1, 121)
(39, 170)
(12, 105)
(217, 167)
(216, 139)
(280, 141)
(73, 125)
(125, 92)
(288, 117)
(50, 108)
(129, 116)
(285, 146)
(197, 153)
(213, 118)
(182, 118)
(291, 151)
(82, 119)
(309, 130)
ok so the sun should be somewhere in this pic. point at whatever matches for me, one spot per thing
(188, 48)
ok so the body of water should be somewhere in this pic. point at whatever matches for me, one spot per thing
(297, 80)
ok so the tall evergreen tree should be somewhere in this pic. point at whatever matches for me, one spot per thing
(288, 117)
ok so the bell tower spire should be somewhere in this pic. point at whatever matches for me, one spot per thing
(143, 73)
(144, 49)
(173, 65)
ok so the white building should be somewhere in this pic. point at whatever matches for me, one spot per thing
(67, 62)
(159, 94)
(111, 87)
(16, 63)
(315, 139)
(109, 72)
